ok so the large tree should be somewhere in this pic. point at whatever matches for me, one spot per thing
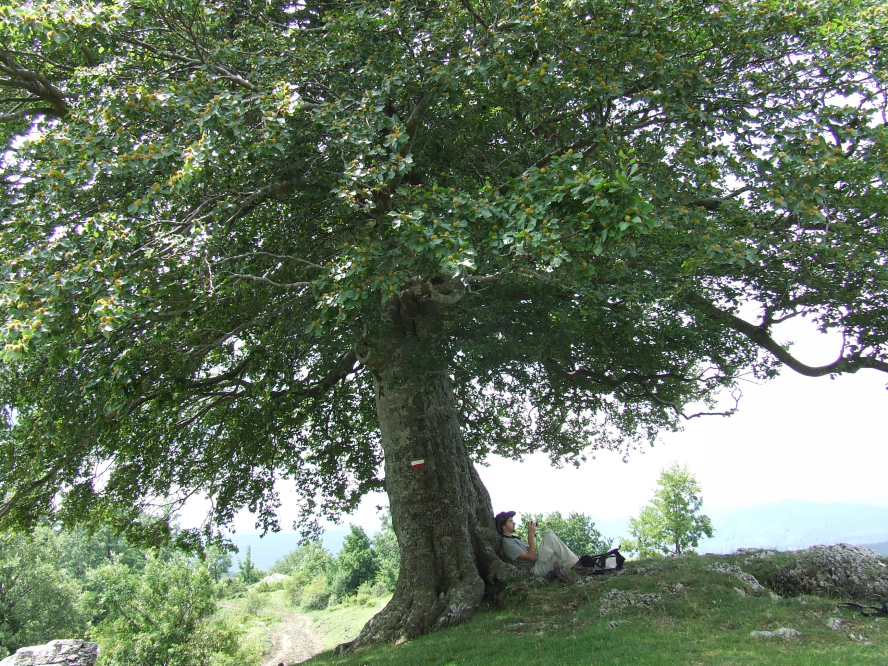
(249, 240)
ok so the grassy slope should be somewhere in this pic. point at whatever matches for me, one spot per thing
(699, 619)
(332, 626)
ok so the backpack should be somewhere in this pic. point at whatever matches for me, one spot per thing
(609, 561)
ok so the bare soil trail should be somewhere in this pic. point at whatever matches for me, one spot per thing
(292, 641)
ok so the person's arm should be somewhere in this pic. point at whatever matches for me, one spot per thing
(531, 552)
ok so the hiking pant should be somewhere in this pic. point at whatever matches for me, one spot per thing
(551, 551)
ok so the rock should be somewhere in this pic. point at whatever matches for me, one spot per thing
(834, 623)
(736, 571)
(742, 593)
(782, 632)
(73, 652)
(843, 570)
(274, 578)
(619, 599)
(775, 597)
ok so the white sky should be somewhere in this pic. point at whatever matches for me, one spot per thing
(817, 440)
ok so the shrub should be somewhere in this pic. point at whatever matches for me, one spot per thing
(316, 596)
(159, 616)
(255, 602)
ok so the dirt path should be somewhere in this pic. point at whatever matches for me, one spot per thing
(292, 641)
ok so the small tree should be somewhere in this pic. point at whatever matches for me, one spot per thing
(218, 562)
(355, 564)
(577, 531)
(248, 572)
(672, 522)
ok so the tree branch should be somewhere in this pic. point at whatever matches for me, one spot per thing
(343, 367)
(265, 280)
(760, 336)
(283, 257)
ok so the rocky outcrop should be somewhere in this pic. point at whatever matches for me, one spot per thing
(72, 652)
(843, 571)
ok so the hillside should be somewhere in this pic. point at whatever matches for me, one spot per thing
(690, 610)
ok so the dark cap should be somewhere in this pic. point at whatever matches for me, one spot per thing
(501, 519)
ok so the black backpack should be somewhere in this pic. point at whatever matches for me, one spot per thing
(609, 561)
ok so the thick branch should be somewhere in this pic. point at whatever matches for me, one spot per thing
(759, 335)
(281, 257)
(344, 366)
(267, 192)
(265, 280)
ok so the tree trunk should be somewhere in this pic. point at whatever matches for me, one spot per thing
(441, 511)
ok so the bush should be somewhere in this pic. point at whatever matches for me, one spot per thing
(255, 602)
(316, 596)
(231, 588)
(159, 616)
(266, 587)
(294, 587)
(38, 599)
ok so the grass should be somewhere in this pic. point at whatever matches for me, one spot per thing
(332, 626)
(662, 612)
(342, 623)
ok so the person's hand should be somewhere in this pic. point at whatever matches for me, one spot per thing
(531, 529)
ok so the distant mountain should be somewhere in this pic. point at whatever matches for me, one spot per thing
(265, 551)
(881, 548)
(790, 524)
(784, 525)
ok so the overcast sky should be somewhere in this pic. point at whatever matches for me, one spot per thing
(817, 440)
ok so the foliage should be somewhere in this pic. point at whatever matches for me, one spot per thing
(356, 564)
(218, 562)
(577, 531)
(310, 560)
(385, 549)
(212, 210)
(316, 595)
(247, 570)
(254, 602)
(39, 598)
(159, 616)
(672, 522)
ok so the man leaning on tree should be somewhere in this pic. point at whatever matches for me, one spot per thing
(551, 558)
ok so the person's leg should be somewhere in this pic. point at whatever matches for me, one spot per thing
(552, 551)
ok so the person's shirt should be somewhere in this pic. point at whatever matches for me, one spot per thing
(512, 549)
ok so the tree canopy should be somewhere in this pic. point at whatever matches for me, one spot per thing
(225, 222)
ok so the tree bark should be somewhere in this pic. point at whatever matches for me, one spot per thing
(441, 511)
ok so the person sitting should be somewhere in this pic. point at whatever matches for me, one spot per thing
(550, 557)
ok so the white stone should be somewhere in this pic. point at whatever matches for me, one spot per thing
(834, 623)
(782, 632)
(73, 652)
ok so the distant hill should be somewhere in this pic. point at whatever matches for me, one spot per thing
(265, 551)
(790, 524)
(783, 525)
(881, 548)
